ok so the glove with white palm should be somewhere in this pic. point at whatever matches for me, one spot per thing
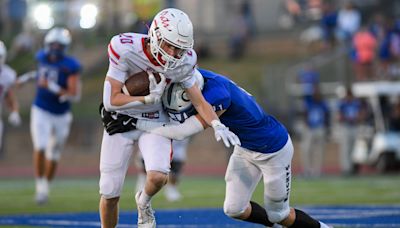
(156, 89)
(222, 132)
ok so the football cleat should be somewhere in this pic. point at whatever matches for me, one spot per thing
(41, 198)
(146, 217)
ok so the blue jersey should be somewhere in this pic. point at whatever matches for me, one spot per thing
(317, 113)
(256, 130)
(350, 110)
(58, 72)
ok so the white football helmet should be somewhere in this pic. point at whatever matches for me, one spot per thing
(176, 103)
(3, 53)
(174, 27)
(57, 35)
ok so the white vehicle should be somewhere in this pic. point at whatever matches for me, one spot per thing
(378, 146)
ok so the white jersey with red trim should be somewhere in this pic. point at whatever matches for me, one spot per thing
(7, 80)
(128, 55)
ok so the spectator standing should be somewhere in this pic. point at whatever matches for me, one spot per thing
(363, 54)
(348, 22)
(317, 117)
(349, 111)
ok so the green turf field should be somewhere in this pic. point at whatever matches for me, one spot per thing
(75, 195)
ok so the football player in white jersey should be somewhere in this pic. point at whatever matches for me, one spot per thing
(7, 93)
(167, 49)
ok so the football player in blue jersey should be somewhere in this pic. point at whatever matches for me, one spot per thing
(58, 84)
(265, 152)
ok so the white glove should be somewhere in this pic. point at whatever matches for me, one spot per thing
(222, 132)
(156, 89)
(53, 87)
(14, 118)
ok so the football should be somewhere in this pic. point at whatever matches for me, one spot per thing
(138, 84)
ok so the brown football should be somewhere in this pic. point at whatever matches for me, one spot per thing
(138, 84)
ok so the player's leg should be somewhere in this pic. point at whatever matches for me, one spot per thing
(242, 177)
(277, 182)
(61, 127)
(306, 146)
(318, 152)
(40, 133)
(179, 156)
(157, 154)
(141, 176)
(116, 151)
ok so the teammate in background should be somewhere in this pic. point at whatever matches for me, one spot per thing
(7, 93)
(171, 190)
(266, 150)
(58, 84)
(167, 49)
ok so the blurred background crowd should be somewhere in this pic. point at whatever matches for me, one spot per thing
(328, 69)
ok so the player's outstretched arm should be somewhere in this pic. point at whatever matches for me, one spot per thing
(211, 118)
(191, 126)
(14, 118)
(26, 77)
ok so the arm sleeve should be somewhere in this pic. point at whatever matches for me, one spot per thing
(181, 131)
(107, 100)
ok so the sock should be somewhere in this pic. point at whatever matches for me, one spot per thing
(323, 225)
(304, 220)
(39, 184)
(258, 215)
(144, 199)
(45, 185)
(140, 182)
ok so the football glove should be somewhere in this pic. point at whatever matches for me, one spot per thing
(122, 124)
(114, 122)
(222, 132)
(156, 89)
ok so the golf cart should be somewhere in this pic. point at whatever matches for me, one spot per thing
(379, 146)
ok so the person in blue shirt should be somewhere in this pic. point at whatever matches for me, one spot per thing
(349, 110)
(317, 119)
(265, 151)
(58, 84)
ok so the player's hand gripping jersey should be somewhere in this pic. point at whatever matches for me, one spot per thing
(128, 55)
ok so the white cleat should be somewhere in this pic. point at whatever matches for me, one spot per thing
(172, 194)
(42, 191)
(41, 198)
(146, 217)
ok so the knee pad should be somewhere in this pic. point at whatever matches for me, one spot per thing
(277, 211)
(234, 210)
(53, 154)
(54, 149)
(110, 185)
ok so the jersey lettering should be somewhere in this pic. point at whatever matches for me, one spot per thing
(125, 39)
(50, 74)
